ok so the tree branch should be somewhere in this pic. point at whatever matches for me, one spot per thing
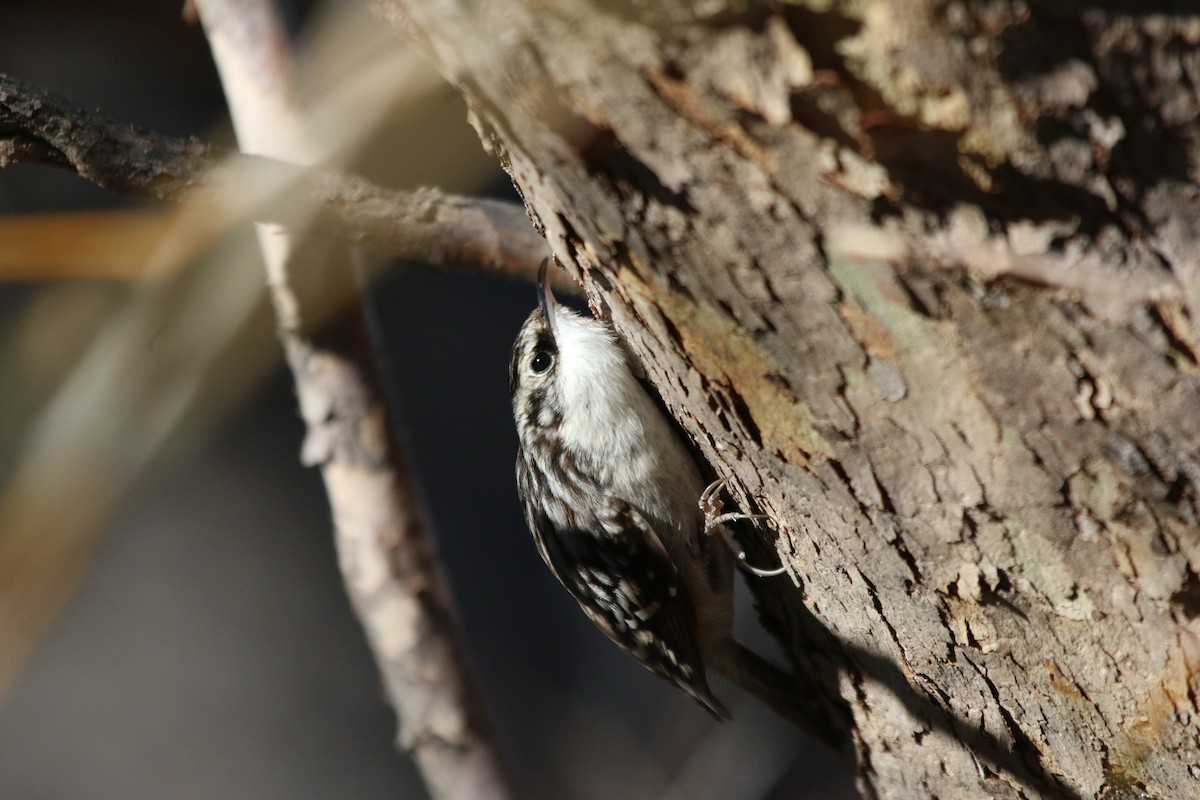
(387, 557)
(426, 226)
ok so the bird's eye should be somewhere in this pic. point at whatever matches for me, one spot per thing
(541, 361)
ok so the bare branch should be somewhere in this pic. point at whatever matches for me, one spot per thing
(387, 558)
(426, 226)
(38, 126)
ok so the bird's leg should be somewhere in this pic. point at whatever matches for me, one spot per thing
(711, 506)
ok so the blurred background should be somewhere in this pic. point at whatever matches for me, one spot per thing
(149, 455)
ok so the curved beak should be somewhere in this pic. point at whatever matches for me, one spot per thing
(546, 301)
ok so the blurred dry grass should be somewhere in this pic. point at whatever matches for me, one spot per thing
(106, 379)
(82, 245)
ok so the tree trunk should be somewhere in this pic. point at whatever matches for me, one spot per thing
(923, 277)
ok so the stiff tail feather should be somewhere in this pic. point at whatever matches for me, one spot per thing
(782, 693)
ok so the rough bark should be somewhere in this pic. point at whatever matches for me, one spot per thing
(982, 448)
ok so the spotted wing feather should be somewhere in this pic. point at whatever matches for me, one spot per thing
(626, 583)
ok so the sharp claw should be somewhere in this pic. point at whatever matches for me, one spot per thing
(714, 519)
(706, 497)
(765, 573)
(762, 573)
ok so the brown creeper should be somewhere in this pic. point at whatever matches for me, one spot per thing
(610, 495)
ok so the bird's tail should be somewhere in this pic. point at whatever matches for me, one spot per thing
(704, 696)
(782, 693)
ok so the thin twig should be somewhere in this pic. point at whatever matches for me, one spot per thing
(427, 226)
(387, 558)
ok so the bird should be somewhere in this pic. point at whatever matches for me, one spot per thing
(617, 505)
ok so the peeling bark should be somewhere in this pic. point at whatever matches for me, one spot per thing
(985, 468)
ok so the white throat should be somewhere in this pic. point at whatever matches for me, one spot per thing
(609, 419)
